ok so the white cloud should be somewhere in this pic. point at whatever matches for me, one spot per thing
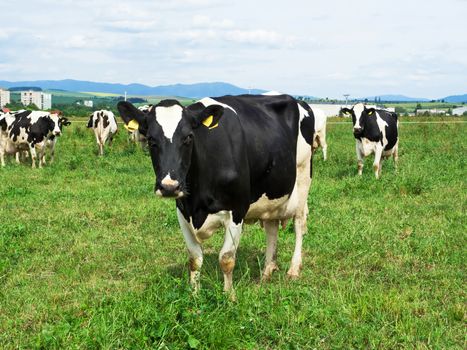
(321, 48)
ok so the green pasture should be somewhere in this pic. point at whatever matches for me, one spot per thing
(91, 259)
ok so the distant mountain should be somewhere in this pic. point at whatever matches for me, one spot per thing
(184, 90)
(456, 98)
(396, 98)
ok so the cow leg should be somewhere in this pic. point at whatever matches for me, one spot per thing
(300, 230)
(377, 162)
(2, 155)
(227, 254)
(32, 150)
(17, 156)
(324, 146)
(395, 155)
(271, 227)
(52, 152)
(303, 186)
(41, 154)
(194, 250)
(359, 159)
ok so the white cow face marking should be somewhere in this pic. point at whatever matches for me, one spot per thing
(169, 118)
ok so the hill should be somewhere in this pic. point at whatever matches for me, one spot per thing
(456, 98)
(187, 90)
(396, 98)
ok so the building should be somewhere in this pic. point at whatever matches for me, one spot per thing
(42, 100)
(430, 111)
(333, 110)
(4, 97)
(88, 103)
(459, 110)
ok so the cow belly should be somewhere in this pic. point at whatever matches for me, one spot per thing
(273, 209)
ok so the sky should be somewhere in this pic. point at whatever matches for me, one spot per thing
(317, 48)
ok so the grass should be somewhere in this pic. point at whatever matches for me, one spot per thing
(89, 258)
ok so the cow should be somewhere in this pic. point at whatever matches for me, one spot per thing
(52, 140)
(228, 161)
(319, 139)
(134, 134)
(27, 130)
(375, 131)
(104, 125)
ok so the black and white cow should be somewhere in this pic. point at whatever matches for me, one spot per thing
(375, 131)
(52, 140)
(27, 130)
(134, 134)
(227, 161)
(104, 125)
(319, 139)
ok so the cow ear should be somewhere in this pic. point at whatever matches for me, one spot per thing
(370, 111)
(90, 121)
(132, 116)
(210, 116)
(346, 111)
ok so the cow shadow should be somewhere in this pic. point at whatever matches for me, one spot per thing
(249, 265)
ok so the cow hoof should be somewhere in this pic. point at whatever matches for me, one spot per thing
(232, 295)
(293, 273)
(267, 273)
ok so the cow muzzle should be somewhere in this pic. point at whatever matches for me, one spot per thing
(57, 133)
(169, 188)
(357, 132)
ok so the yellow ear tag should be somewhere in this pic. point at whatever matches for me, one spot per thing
(208, 121)
(132, 125)
(370, 112)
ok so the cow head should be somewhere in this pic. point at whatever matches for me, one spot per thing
(56, 129)
(171, 133)
(360, 117)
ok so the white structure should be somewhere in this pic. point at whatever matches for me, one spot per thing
(332, 110)
(88, 103)
(431, 111)
(42, 100)
(4, 97)
(459, 110)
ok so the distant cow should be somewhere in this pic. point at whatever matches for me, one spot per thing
(105, 127)
(52, 140)
(375, 131)
(319, 139)
(230, 160)
(134, 134)
(27, 130)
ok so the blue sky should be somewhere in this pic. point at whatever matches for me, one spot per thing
(321, 48)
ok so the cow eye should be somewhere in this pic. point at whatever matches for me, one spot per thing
(187, 140)
(152, 142)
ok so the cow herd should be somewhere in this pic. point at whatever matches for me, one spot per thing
(225, 161)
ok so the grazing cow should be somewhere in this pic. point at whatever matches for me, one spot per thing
(105, 127)
(52, 140)
(375, 131)
(134, 134)
(319, 139)
(230, 160)
(27, 130)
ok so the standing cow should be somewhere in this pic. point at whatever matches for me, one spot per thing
(375, 131)
(319, 139)
(52, 140)
(27, 130)
(105, 127)
(134, 134)
(227, 161)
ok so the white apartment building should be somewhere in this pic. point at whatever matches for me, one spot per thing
(42, 100)
(88, 103)
(4, 97)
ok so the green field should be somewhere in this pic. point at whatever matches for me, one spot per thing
(91, 259)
